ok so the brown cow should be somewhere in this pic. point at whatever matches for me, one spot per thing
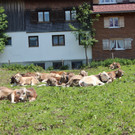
(18, 95)
(115, 65)
(74, 81)
(115, 74)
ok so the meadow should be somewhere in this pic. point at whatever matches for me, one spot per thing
(95, 110)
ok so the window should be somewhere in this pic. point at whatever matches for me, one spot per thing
(58, 40)
(76, 64)
(114, 22)
(40, 64)
(107, 1)
(9, 41)
(117, 44)
(57, 65)
(70, 15)
(44, 16)
(82, 37)
(33, 41)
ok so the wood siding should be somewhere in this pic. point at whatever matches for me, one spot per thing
(56, 25)
(53, 4)
(23, 14)
(15, 12)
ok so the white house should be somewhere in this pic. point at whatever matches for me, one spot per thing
(39, 33)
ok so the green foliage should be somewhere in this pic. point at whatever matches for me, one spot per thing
(98, 110)
(107, 62)
(50, 68)
(64, 67)
(16, 67)
(3, 26)
(86, 30)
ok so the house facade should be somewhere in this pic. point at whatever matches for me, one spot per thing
(115, 30)
(39, 33)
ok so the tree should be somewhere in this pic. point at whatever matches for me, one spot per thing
(86, 31)
(3, 26)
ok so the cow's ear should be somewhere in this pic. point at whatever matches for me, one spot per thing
(28, 93)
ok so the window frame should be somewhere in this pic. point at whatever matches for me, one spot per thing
(43, 11)
(114, 22)
(71, 19)
(37, 41)
(100, 2)
(57, 62)
(76, 62)
(58, 40)
(40, 65)
(116, 40)
(7, 41)
(80, 40)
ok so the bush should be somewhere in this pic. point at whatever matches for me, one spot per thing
(15, 67)
(107, 62)
(65, 67)
(50, 68)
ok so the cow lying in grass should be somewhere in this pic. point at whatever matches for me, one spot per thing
(115, 65)
(101, 79)
(94, 80)
(20, 80)
(74, 80)
(18, 95)
(115, 74)
(43, 77)
(24, 79)
(60, 78)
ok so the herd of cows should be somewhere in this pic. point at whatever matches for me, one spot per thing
(55, 78)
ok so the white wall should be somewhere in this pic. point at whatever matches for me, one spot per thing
(20, 51)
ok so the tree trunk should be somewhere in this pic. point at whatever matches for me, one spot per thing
(86, 55)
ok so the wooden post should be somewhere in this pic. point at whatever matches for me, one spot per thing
(8, 62)
(112, 55)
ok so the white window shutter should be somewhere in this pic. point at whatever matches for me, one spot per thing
(106, 44)
(128, 43)
(121, 21)
(106, 22)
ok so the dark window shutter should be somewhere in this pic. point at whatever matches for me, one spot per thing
(57, 15)
(33, 17)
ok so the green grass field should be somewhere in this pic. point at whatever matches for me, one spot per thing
(99, 110)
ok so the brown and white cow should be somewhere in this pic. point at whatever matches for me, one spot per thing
(94, 80)
(115, 65)
(18, 95)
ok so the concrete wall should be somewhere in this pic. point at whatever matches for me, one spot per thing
(20, 52)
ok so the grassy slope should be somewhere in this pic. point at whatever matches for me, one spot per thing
(100, 110)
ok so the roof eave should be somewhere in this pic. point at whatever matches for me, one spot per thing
(108, 12)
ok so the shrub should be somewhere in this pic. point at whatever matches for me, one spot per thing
(50, 68)
(64, 67)
(15, 67)
(107, 62)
